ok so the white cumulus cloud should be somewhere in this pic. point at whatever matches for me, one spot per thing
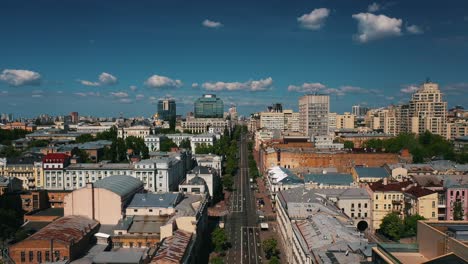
(211, 24)
(133, 87)
(20, 77)
(374, 7)
(139, 96)
(194, 85)
(119, 94)
(373, 27)
(125, 100)
(107, 79)
(158, 81)
(315, 19)
(409, 89)
(413, 29)
(251, 85)
(307, 88)
(104, 79)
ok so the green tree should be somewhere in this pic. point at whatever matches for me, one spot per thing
(270, 247)
(392, 226)
(84, 156)
(167, 145)
(185, 144)
(9, 152)
(110, 134)
(348, 144)
(228, 182)
(411, 225)
(216, 260)
(274, 260)
(38, 143)
(219, 239)
(458, 210)
(137, 145)
(84, 138)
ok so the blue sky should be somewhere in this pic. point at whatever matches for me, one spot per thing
(106, 57)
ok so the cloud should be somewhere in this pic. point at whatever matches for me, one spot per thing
(251, 85)
(20, 77)
(315, 19)
(133, 87)
(211, 24)
(322, 88)
(85, 94)
(119, 94)
(456, 88)
(36, 95)
(307, 88)
(373, 27)
(409, 89)
(413, 29)
(139, 96)
(107, 79)
(104, 79)
(125, 101)
(157, 81)
(374, 7)
(194, 85)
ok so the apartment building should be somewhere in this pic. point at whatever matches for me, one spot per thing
(313, 114)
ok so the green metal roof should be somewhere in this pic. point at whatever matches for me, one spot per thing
(330, 178)
(119, 184)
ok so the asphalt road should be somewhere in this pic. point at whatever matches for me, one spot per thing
(241, 224)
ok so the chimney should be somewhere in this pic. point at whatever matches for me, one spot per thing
(385, 181)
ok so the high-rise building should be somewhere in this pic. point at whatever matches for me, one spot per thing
(313, 114)
(209, 106)
(74, 117)
(427, 110)
(359, 110)
(167, 109)
(284, 120)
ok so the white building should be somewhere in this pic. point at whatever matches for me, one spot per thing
(326, 142)
(153, 142)
(202, 139)
(210, 161)
(140, 131)
(178, 138)
(204, 125)
(208, 175)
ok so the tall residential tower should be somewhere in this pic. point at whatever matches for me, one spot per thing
(313, 114)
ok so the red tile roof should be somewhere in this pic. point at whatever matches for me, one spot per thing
(379, 186)
(173, 248)
(417, 191)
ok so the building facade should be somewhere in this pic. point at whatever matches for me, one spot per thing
(167, 109)
(209, 106)
(313, 114)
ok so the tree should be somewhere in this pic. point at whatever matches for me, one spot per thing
(458, 210)
(84, 138)
(270, 247)
(274, 260)
(110, 134)
(392, 226)
(38, 143)
(219, 239)
(167, 145)
(185, 144)
(411, 225)
(216, 260)
(348, 144)
(228, 182)
(9, 152)
(84, 156)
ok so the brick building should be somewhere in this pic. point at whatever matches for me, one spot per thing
(65, 239)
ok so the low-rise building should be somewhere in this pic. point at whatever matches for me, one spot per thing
(63, 240)
(421, 201)
(326, 142)
(210, 160)
(328, 180)
(139, 131)
(282, 179)
(369, 174)
(153, 142)
(205, 125)
(27, 168)
(209, 176)
(202, 140)
(103, 200)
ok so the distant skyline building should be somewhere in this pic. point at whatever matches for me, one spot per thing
(167, 109)
(359, 110)
(427, 110)
(313, 114)
(276, 107)
(74, 117)
(209, 106)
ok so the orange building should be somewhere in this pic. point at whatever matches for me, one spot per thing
(19, 125)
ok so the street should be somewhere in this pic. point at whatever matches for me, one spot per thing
(241, 224)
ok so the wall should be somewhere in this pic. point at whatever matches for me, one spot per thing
(342, 161)
(431, 242)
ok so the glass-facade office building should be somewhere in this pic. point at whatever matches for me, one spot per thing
(167, 109)
(209, 106)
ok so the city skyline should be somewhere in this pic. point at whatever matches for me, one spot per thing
(122, 57)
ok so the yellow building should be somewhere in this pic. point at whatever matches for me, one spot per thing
(386, 197)
(26, 169)
(421, 201)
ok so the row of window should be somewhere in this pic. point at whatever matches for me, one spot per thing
(39, 256)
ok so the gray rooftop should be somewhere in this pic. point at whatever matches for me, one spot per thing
(100, 166)
(329, 178)
(164, 200)
(201, 170)
(119, 184)
(196, 181)
(121, 256)
(371, 172)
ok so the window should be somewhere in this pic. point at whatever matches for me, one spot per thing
(376, 197)
(433, 214)
(352, 205)
(359, 214)
(376, 206)
(365, 214)
(57, 254)
(385, 207)
(31, 256)
(135, 210)
(359, 205)
(151, 210)
(352, 214)
(139, 244)
(433, 204)
(39, 256)
(131, 244)
(47, 256)
(385, 197)
(365, 205)
(23, 256)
